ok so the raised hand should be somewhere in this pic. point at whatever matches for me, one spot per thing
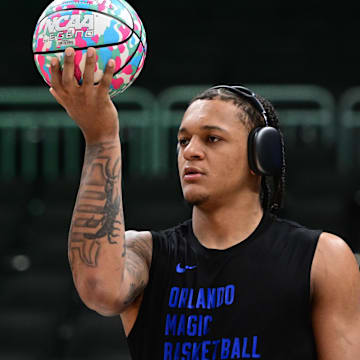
(89, 105)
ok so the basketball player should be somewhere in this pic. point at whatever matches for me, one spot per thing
(235, 281)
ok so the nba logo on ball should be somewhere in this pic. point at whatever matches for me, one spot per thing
(112, 27)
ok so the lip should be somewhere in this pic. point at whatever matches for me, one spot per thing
(192, 173)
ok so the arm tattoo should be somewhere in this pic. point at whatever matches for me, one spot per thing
(137, 264)
(98, 210)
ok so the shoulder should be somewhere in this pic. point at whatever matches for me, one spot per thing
(177, 231)
(144, 243)
(133, 235)
(291, 225)
(334, 266)
(297, 233)
(333, 251)
(139, 243)
(335, 299)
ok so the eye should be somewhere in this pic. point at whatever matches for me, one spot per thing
(213, 139)
(183, 141)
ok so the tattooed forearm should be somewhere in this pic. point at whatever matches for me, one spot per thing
(98, 213)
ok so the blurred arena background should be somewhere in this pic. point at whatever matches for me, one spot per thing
(304, 60)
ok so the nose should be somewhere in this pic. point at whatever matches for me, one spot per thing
(193, 150)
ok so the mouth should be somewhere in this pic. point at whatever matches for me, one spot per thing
(192, 174)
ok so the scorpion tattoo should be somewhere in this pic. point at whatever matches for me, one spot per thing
(89, 250)
(111, 209)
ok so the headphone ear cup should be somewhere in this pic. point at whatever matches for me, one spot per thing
(265, 153)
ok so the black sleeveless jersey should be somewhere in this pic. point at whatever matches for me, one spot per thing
(250, 301)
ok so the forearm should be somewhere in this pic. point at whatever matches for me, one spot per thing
(96, 245)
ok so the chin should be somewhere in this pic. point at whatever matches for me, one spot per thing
(196, 199)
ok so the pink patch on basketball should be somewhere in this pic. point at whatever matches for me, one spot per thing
(117, 83)
(101, 6)
(117, 63)
(128, 69)
(95, 39)
(64, 23)
(41, 61)
(79, 41)
(125, 31)
(78, 58)
(40, 45)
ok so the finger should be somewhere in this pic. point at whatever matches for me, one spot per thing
(89, 70)
(56, 96)
(68, 72)
(56, 81)
(108, 76)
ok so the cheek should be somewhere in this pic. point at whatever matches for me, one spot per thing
(237, 162)
(233, 169)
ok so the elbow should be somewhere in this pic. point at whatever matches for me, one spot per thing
(99, 296)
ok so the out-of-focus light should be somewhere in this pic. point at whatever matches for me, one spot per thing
(20, 262)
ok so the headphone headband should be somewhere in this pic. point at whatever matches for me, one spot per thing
(249, 95)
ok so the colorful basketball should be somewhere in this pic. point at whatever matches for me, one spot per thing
(112, 27)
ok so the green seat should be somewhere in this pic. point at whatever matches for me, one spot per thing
(349, 115)
(36, 135)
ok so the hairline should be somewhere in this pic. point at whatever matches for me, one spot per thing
(238, 102)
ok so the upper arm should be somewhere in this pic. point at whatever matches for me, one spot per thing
(336, 300)
(138, 254)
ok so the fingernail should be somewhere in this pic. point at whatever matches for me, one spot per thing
(111, 63)
(90, 52)
(68, 51)
(53, 61)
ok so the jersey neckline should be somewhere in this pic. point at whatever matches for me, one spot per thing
(265, 221)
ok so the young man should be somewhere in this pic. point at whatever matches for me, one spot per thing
(234, 282)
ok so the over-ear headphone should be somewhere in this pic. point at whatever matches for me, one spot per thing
(265, 147)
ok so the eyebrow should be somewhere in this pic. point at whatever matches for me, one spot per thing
(205, 127)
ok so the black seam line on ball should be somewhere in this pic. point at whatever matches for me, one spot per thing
(128, 62)
(132, 56)
(82, 48)
(98, 12)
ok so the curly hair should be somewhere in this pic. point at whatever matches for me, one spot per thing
(272, 187)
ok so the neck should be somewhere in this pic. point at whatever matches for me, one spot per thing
(221, 226)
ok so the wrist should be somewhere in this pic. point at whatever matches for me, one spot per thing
(97, 139)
